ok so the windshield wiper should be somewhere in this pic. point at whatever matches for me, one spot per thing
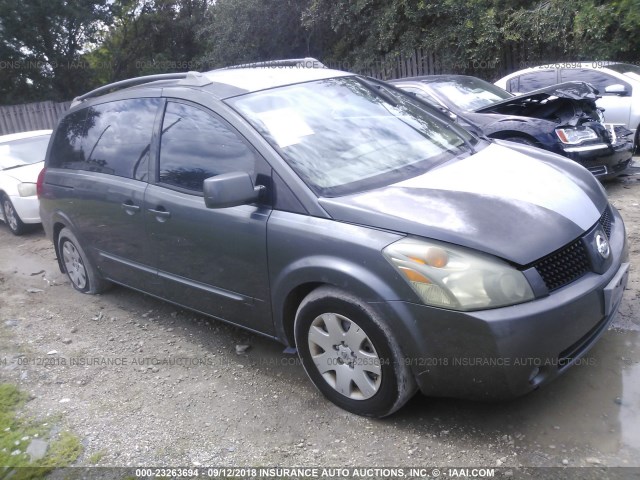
(378, 91)
(14, 166)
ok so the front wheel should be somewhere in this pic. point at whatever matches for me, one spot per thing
(350, 354)
(11, 217)
(83, 275)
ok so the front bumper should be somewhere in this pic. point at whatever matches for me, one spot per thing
(602, 160)
(27, 208)
(507, 352)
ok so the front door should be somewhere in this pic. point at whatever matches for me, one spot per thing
(211, 260)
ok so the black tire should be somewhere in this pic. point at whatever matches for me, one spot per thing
(82, 274)
(523, 140)
(11, 217)
(383, 393)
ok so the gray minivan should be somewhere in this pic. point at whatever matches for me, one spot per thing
(344, 218)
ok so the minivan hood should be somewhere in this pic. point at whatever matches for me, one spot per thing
(502, 201)
(26, 173)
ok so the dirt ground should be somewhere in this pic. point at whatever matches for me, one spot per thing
(82, 358)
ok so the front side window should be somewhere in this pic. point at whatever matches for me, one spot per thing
(343, 135)
(631, 71)
(599, 80)
(196, 145)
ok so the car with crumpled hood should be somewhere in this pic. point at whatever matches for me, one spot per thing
(617, 82)
(563, 118)
(360, 227)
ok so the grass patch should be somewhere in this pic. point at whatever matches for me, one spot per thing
(96, 457)
(16, 435)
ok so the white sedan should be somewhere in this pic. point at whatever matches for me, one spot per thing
(21, 159)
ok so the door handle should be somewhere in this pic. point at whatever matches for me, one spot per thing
(161, 214)
(130, 208)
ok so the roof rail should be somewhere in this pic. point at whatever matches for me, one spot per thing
(190, 78)
(307, 62)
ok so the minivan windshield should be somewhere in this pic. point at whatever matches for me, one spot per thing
(25, 151)
(345, 135)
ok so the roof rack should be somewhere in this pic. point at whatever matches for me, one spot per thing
(190, 78)
(307, 62)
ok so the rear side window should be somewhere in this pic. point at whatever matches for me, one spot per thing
(112, 138)
(66, 149)
(535, 80)
(196, 145)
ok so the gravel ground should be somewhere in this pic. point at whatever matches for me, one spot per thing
(87, 361)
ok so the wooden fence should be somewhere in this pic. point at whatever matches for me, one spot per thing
(421, 62)
(31, 116)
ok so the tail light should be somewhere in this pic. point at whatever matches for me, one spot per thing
(40, 182)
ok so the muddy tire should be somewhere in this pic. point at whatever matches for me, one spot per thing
(350, 354)
(83, 275)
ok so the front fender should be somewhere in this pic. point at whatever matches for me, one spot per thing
(305, 252)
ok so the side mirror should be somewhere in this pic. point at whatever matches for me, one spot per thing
(230, 190)
(617, 89)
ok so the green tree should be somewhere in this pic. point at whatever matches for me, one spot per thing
(240, 31)
(44, 41)
(150, 36)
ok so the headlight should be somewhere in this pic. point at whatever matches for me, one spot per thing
(457, 278)
(27, 189)
(572, 136)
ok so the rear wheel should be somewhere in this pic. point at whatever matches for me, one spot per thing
(11, 217)
(350, 355)
(83, 275)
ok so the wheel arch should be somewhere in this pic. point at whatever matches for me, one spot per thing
(506, 134)
(60, 221)
(304, 276)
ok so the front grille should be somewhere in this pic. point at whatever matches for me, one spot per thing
(571, 262)
(564, 266)
(605, 222)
